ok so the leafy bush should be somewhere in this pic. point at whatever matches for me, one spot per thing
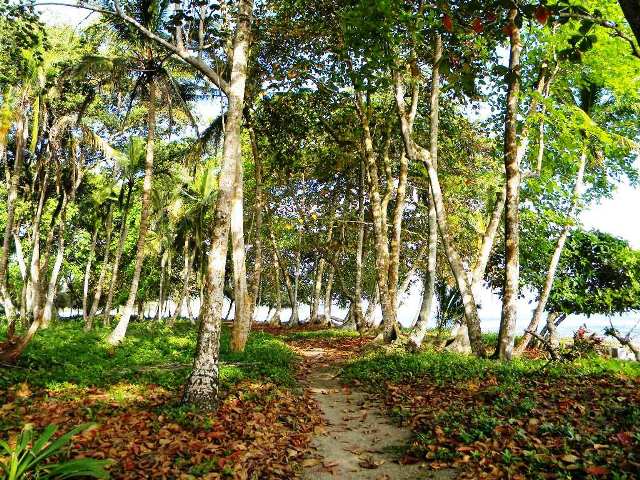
(28, 457)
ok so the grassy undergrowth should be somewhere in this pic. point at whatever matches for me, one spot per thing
(492, 419)
(64, 356)
(446, 367)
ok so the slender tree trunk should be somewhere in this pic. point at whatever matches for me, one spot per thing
(124, 230)
(357, 294)
(420, 329)
(380, 236)
(275, 319)
(87, 276)
(317, 288)
(512, 199)
(97, 295)
(12, 197)
(369, 316)
(55, 272)
(163, 268)
(117, 335)
(188, 260)
(328, 301)
(33, 297)
(259, 206)
(242, 320)
(203, 384)
(555, 259)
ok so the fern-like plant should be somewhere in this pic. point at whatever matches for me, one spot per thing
(26, 459)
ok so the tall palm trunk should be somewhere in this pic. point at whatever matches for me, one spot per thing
(203, 384)
(118, 333)
(186, 275)
(124, 230)
(512, 199)
(87, 276)
(163, 273)
(103, 271)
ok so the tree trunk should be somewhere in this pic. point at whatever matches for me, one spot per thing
(317, 290)
(55, 272)
(188, 260)
(327, 297)
(512, 199)
(12, 197)
(555, 259)
(87, 276)
(259, 206)
(357, 294)
(242, 320)
(97, 295)
(371, 308)
(203, 383)
(275, 319)
(118, 333)
(379, 231)
(420, 329)
(163, 269)
(124, 230)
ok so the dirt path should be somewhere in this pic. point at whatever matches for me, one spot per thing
(358, 442)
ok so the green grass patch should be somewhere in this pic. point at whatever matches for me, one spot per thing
(64, 356)
(447, 367)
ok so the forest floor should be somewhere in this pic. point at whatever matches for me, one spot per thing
(323, 404)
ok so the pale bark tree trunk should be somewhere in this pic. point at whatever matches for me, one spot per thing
(124, 230)
(381, 246)
(118, 333)
(34, 267)
(295, 311)
(369, 316)
(97, 294)
(203, 383)
(327, 296)
(287, 281)
(455, 262)
(555, 259)
(163, 269)
(186, 275)
(259, 206)
(24, 274)
(53, 279)
(317, 290)
(87, 276)
(390, 330)
(12, 197)
(357, 300)
(275, 319)
(512, 199)
(420, 329)
(242, 320)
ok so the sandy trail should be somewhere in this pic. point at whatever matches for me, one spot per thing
(358, 442)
